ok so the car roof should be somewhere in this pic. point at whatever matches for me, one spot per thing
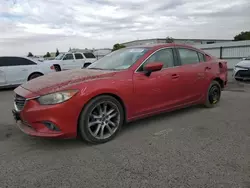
(162, 45)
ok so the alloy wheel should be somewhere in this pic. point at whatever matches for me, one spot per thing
(104, 120)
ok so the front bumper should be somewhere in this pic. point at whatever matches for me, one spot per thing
(241, 73)
(33, 119)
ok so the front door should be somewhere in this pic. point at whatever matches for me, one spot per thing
(68, 62)
(160, 90)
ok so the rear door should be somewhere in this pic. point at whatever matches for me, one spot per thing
(192, 74)
(89, 57)
(79, 60)
(2, 72)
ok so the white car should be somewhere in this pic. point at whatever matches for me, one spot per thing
(17, 70)
(73, 60)
(242, 70)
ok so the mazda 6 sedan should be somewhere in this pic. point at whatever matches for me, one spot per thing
(125, 85)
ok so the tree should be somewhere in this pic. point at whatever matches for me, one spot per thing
(169, 40)
(118, 46)
(57, 52)
(47, 55)
(244, 35)
(30, 54)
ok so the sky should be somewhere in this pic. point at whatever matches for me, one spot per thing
(39, 26)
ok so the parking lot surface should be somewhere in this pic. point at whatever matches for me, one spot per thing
(194, 147)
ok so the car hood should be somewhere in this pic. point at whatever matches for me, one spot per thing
(245, 63)
(57, 81)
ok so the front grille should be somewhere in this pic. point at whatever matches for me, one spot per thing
(243, 73)
(19, 102)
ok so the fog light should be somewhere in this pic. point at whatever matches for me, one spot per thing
(51, 126)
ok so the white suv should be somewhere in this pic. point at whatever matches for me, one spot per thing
(16, 70)
(73, 60)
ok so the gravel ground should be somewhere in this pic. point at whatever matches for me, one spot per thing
(194, 147)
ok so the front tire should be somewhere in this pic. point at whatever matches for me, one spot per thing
(101, 119)
(213, 95)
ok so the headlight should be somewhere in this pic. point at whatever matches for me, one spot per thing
(58, 97)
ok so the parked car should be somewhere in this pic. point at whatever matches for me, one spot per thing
(69, 60)
(125, 85)
(17, 70)
(242, 70)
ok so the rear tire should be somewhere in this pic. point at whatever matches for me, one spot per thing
(213, 95)
(101, 120)
(34, 75)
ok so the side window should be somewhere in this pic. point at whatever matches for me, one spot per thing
(3, 61)
(201, 57)
(188, 56)
(68, 57)
(15, 61)
(22, 61)
(89, 55)
(165, 56)
(78, 56)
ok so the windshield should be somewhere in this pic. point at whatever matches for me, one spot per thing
(89, 55)
(119, 59)
(59, 57)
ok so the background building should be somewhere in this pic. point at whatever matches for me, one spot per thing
(180, 41)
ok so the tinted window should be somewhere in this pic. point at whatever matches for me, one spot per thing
(165, 56)
(15, 61)
(188, 56)
(89, 55)
(68, 57)
(201, 57)
(78, 56)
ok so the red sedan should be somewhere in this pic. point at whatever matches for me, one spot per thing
(125, 85)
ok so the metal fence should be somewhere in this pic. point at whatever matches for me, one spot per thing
(232, 52)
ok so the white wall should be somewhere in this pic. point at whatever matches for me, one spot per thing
(232, 52)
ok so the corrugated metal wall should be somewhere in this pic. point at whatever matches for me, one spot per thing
(233, 52)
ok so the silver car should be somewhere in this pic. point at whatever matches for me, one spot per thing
(241, 70)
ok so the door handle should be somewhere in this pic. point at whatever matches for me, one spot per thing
(175, 76)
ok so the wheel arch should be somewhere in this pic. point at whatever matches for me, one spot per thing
(220, 81)
(117, 97)
(36, 72)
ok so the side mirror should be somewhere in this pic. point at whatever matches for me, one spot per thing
(152, 67)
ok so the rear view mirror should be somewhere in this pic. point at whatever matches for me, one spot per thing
(152, 67)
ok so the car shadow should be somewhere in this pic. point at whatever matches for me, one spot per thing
(137, 124)
(50, 144)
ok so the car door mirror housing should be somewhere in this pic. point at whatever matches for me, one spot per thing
(152, 67)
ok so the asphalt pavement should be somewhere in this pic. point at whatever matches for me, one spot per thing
(193, 147)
